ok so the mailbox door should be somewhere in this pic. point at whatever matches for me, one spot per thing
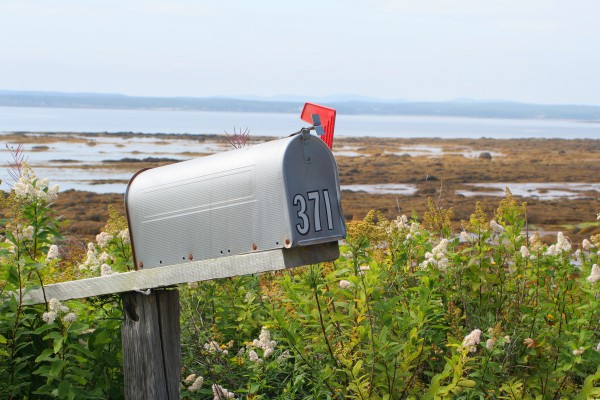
(313, 192)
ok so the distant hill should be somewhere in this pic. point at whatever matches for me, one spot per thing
(344, 104)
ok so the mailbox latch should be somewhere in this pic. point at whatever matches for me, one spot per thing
(306, 148)
(307, 137)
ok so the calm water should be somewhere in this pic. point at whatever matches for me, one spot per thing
(272, 124)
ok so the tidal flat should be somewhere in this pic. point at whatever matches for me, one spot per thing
(558, 178)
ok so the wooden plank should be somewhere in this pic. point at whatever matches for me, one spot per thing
(193, 271)
(150, 335)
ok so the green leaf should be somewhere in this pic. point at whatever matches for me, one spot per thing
(65, 390)
(45, 356)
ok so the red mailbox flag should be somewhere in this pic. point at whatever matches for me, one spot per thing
(327, 116)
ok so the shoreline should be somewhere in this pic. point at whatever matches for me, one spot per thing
(457, 172)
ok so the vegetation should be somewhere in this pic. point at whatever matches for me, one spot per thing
(411, 310)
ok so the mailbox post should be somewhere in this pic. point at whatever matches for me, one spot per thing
(267, 207)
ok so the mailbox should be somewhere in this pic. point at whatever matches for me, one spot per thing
(280, 194)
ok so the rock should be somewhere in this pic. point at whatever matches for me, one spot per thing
(485, 155)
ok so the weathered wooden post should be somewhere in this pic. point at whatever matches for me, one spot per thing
(151, 346)
(267, 207)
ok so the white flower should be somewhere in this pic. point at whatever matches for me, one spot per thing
(106, 270)
(344, 284)
(464, 236)
(32, 189)
(489, 344)
(104, 257)
(91, 261)
(56, 306)
(496, 227)
(70, 317)
(28, 232)
(124, 235)
(441, 249)
(190, 378)
(363, 269)
(507, 339)
(212, 347)
(579, 351)
(254, 357)
(552, 251)
(197, 383)
(221, 393)
(598, 347)
(49, 317)
(595, 274)
(586, 245)
(52, 253)
(102, 239)
(265, 343)
(562, 243)
(524, 252)
(443, 264)
(472, 340)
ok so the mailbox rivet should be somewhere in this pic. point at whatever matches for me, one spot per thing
(190, 257)
(141, 264)
(254, 246)
(287, 242)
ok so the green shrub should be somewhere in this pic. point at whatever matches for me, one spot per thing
(407, 312)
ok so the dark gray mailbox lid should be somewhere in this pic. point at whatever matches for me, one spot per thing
(282, 193)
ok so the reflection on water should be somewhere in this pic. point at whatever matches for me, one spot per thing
(433, 151)
(540, 191)
(382, 188)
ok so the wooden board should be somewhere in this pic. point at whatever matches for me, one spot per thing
(193, 271)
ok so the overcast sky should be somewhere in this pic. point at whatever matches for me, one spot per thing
(540, 51)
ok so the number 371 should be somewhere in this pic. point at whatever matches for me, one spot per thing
(312, 215)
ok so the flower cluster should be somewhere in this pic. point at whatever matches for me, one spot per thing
(55, 309)
(263, 342)
(344, 284)
(103, 238)
(595, 274)
(214, 347)
(471, 341)
(106, 270)
(124, 236)
(496, 227)
(32, 189)
(437, 256)
(221, 393)
(562, 245)
(91, 260)
(52, 253)
(579, 351)
(496, 337)
(194, 382)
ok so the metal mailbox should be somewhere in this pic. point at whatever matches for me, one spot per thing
(280, 194)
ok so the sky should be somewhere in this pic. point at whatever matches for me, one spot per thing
(535, 51)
